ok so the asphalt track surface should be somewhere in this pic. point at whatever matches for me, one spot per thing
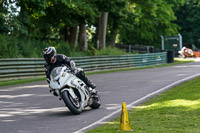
(30, 108)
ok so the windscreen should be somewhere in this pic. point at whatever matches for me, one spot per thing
(56, 71)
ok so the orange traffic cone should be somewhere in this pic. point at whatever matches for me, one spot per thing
(124, 122)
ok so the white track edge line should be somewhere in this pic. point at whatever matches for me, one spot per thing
(134, 102)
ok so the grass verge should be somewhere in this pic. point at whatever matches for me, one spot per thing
(174, 111)
(21, 81)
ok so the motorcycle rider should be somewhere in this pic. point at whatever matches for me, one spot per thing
(57, 60)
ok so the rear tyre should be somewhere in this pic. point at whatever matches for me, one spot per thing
(96, 101)
(73, 105)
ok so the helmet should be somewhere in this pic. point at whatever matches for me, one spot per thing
(49, 54)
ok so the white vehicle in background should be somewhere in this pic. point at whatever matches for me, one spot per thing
(73, 91)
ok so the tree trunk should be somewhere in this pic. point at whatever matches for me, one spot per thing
(73, 35)
(113, 37)
(82, 38)
(101, 31)
(66, 34)
(98, 33)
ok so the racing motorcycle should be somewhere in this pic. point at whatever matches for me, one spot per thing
(73, 91)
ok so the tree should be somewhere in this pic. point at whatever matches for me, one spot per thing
(54, 19)
(3, 13)
(82, 38)
(188, 17)
(102, 30)
(111, 19)
(152, 19)
(117, 18)
(104, 7)
(133, 21)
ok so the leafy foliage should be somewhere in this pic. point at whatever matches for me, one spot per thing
(188, 19)
(51, 22)
(12, 47)
(110, 51)
(3, 13)
(152, 19)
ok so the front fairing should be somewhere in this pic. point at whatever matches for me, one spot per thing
(62, 81)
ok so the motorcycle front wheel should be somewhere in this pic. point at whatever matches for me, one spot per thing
(73, 105)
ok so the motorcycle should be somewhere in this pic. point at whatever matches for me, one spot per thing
(185, 53)
(73, 91)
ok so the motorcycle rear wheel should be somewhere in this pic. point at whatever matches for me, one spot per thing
(74, 106)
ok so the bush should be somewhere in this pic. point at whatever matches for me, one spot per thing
(110, 51)
(3, 45)
(8, 47)
(12, 47)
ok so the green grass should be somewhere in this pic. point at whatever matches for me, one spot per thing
(184, 59)
(21, 81)
(174, 111)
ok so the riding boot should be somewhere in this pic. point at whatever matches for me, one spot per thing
(90, 84)
(81, 75)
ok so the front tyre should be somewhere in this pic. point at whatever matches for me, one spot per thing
(96, 101)
(73, 105)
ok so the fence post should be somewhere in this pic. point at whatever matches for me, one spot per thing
(129, 48)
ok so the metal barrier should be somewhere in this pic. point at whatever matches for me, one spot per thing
(136, 48)
(20, 68)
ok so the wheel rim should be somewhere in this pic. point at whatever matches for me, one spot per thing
(74, 102)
